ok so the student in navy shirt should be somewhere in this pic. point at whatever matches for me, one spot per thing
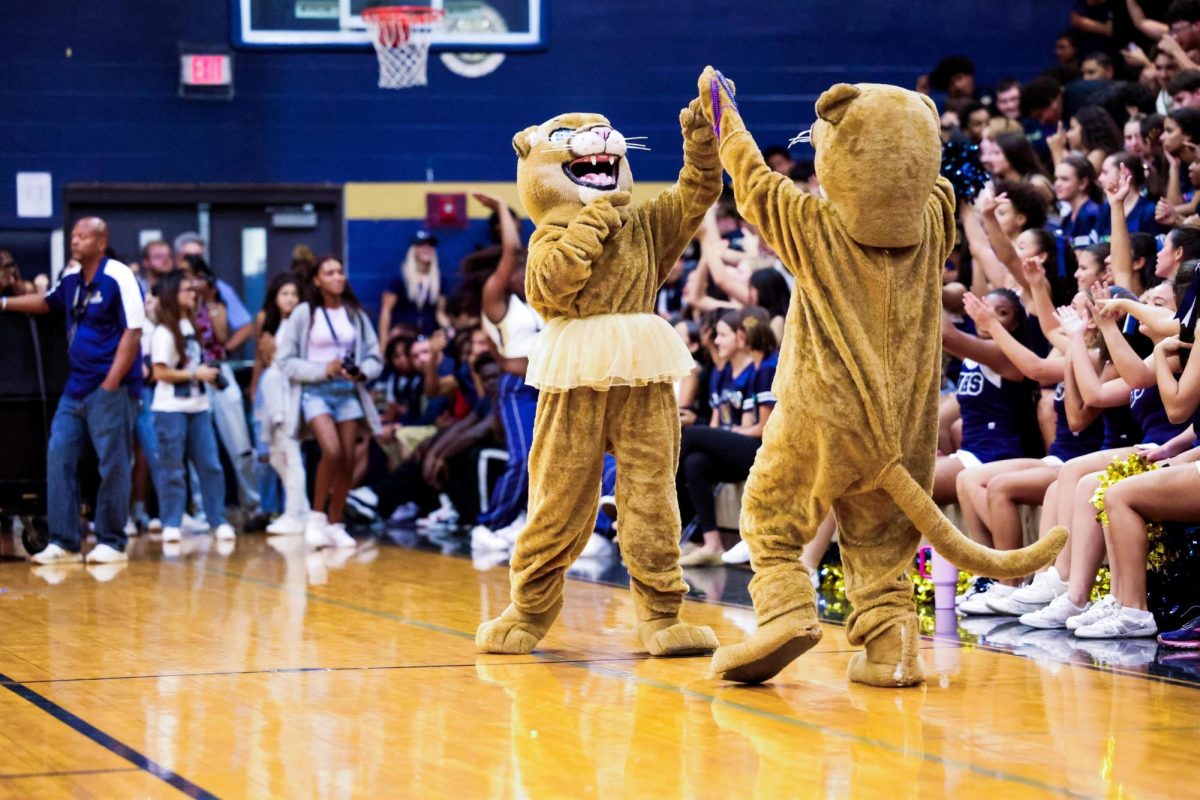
(724, 451)
(413, 298)
(1138, 209)
(104, 311)
(1075, 185)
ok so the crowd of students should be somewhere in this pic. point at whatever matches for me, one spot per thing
(1068, 316)
(1067, 325)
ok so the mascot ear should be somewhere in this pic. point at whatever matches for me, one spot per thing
(833, 104)
(930, 105)
(523, 141)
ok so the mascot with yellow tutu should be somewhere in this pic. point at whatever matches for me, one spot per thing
(605, 366)
(855, 426)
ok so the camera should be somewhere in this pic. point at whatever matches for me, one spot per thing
(221, 384)
(349, 366)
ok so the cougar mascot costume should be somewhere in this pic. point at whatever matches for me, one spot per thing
(605, 366)
(855, 427)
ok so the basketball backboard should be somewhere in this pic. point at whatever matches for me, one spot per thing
(470, 25)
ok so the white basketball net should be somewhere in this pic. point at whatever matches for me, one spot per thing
(402, 44)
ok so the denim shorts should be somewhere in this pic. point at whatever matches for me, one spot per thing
(338, 398)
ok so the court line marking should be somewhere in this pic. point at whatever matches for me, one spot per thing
(298, 670)
(759, 712)
(107, 741)
(64, 773)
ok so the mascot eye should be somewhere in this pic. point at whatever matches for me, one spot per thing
(561, 135)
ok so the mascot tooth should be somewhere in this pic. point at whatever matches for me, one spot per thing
(605, 366)
(855, 427)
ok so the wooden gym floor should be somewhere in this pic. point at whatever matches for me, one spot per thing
(270, 672)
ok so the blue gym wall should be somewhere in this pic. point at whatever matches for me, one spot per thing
(109, 111)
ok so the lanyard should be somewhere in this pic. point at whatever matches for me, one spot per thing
(332, 332)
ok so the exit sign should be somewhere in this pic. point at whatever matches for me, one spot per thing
(206, 70)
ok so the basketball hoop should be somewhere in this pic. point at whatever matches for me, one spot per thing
(401, 35)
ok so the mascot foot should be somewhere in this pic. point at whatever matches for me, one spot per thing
(515, 632)
(772, 647)
(670, 636)
(891, 658)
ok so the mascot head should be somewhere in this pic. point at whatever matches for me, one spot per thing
(568, 161)
(879, 152)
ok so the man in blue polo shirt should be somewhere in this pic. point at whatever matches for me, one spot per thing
(104, 312)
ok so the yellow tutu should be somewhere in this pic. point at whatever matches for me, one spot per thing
(605, 351)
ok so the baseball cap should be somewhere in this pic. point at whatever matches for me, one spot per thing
(423, 237)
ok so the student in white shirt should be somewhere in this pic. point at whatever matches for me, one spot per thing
(182, 420)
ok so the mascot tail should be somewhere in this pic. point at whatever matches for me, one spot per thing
(956, 548)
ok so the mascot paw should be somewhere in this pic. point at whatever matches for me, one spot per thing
(772, 647)
(891, 659)
(672, 637)
(515, 632)
(697, 128)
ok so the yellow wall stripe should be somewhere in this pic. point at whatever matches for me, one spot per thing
(376, 201)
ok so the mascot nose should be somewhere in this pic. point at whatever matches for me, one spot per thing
(603, 132)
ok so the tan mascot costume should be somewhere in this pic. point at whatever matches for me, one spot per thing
(855, 427)
(605, 366)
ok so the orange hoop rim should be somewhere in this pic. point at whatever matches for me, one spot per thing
(412, 15)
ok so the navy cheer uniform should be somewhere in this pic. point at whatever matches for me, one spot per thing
(989, 407)
(1147, 408)
(1069, 444)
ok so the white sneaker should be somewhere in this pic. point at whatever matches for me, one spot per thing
(225, 532)
(446, 516)
(154, 526)
(977, 604)
(131, 528)
(337, 536)
(286, 526)
(597, 547)
(172, 535)
(738, 554)
(484, 538)
(103, 554)
(315, 528)
(365, 496)
(1105, 606)
(53, 554)
(405, 512)
(1124, 623)
(1045, 587)
(1054, 615)
(978, 585)
(193, 524)
(509, 532)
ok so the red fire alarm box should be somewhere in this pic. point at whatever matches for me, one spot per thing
(445, 210)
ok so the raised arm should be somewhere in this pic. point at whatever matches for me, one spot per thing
(712, 248)
(1079, 414)
(1130, 366)
(1006, 254)
(560, 259)
(982, 255)
(765, 198)
(495, 289)
(1122, 250)
(964, 345)
(1029, 363)
(1106, 394)
(1151, 28)
(675, 214)
(1181, 396)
